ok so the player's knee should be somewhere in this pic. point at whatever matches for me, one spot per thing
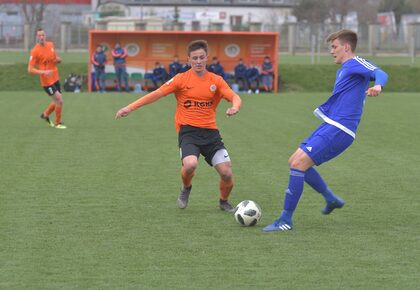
(58, 99)
(294, 162)
(300, 162)
(226, 175)
(225, 172)
(189, 165)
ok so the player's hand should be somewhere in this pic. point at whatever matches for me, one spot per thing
(48, 72)
(124, 112)
(232, 111)
(58, 59)
(374, 91)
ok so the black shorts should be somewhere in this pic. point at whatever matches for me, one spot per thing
(195, 141)
(55, 87)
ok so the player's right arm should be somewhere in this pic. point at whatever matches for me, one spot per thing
(145, 100)
(31, 67)
(166, 89)
(33, 70)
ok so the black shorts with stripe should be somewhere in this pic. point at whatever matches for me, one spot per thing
(195, 141)
(55, 87)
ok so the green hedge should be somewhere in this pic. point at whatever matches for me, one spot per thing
(16, 77)
(311, 78)
(402, 78)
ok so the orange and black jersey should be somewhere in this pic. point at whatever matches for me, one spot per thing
(45, 58)
(197, 98)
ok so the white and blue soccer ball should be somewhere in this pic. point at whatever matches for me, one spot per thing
(248, 213)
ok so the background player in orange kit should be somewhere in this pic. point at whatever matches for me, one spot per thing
(198, 93)
(43, 62)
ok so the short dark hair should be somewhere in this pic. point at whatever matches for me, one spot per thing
(198, 44)
(344, 36)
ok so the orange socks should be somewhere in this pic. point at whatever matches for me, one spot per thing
(49, 109)
(58, 114)
(225, 188)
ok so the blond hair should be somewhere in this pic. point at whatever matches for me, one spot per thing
(344, 36)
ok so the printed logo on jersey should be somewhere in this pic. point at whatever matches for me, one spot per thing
(213, 88)
(189, 104)
(309, 149)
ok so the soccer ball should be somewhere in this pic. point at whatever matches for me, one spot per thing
(248, 213)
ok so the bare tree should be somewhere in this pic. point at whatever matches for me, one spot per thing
(33, 14)
(32, 11)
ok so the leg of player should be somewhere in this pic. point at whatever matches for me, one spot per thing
(315, 180)
(45, 115)
(299, 162)
(58, 100)
(226, 185)
(221, 162)
(189, 164)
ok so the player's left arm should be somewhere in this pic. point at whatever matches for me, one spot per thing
(229, 95)
(380, 77)
(236, 105)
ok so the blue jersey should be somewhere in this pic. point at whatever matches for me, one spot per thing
(345, 106)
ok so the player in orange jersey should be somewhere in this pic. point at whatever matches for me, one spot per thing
(198, 93)
(43, 62)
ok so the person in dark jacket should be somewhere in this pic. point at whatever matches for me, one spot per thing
(99, 61)
(216, 68)
(175, 67)
(253, 75)
(159, 74)
(120, 54)
(240, 74)
(267, 74)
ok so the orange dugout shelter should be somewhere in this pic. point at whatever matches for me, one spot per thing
(144, 48)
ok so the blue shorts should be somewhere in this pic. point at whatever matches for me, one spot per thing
(325, 143)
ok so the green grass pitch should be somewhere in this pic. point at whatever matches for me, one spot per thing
(94, 206)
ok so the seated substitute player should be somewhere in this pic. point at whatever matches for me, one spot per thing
(341, 115)
(240, 74)
(43, 62)
(252, 75)
(198, 93)
(174, 67)
(159, 74)
(267, 74)
(216, 68)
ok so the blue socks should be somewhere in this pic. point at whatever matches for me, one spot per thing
(297, 179)
(293, 193)
(315, 180)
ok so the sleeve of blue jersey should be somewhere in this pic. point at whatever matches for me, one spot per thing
(379, 76)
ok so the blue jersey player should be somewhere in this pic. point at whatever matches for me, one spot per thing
(341, 115)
